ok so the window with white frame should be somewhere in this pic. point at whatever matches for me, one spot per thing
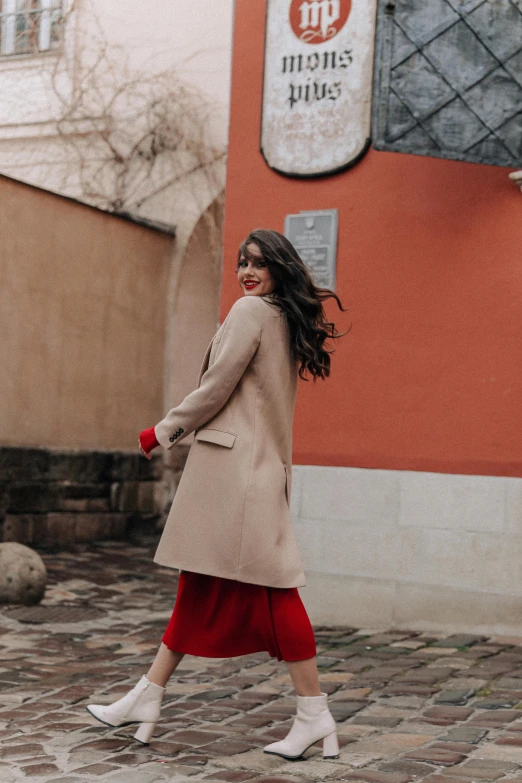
(30, 26)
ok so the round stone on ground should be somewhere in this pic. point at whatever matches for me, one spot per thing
(23, 575)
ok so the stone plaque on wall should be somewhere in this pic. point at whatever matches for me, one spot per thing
(448, 79)
(314, 236)
(317, 84)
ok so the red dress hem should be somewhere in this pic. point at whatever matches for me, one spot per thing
(214, 617)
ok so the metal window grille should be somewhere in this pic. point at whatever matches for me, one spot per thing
(30, 26)
(448, 79)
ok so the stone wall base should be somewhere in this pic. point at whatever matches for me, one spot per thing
(55, 499)
(383, 604)
(410, 549)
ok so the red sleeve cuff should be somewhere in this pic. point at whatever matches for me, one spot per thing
(148, 440)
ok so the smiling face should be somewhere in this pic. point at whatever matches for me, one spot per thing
(253, 274)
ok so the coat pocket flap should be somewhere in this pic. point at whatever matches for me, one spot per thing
(220, 437)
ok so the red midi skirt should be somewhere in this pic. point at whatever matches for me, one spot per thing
(221, 618)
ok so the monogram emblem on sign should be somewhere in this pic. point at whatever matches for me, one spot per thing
(316, 21)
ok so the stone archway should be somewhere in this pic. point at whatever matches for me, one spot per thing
(195, 314)
(196, 305)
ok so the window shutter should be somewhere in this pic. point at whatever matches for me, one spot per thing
(44, 32)
(8, 27)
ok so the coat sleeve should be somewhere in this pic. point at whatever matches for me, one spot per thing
(238, 344)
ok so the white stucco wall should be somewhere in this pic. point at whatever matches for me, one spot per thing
(195, 36)
(408, 549)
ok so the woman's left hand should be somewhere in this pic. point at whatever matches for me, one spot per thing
(145, 453)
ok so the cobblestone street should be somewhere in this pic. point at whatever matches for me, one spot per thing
(409, 706)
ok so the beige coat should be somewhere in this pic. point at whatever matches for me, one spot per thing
(230, 516)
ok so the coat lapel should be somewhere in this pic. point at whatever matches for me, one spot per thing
(204, 364)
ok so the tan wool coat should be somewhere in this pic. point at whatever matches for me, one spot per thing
(230, 516)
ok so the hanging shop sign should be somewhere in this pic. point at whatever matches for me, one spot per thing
(317, 85)
(314, 236)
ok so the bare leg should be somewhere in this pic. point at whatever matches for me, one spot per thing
(305, 676)
(163, 665)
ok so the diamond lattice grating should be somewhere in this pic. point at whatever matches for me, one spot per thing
(448, 79)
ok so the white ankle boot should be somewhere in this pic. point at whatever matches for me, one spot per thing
(142, 704)
(313, 722)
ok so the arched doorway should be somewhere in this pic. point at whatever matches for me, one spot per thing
(195, 313)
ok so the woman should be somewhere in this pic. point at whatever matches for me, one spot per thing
(229, 529)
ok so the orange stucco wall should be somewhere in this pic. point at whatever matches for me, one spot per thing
(430, 264)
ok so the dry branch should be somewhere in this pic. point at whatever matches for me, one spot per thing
(132, 134)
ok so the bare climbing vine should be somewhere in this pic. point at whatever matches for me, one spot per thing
(132, 134)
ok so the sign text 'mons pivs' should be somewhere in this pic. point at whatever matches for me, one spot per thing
(317, 84)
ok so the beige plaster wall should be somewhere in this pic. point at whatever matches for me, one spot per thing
(82, 323)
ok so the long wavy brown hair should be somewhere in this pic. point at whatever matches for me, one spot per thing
(299, 299)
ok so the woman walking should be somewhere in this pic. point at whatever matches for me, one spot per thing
(229, 529)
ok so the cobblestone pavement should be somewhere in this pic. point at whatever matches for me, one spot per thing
(409, 706)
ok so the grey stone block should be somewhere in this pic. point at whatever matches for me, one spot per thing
(37, 497)
(24, 528)
(42, 497)
(151, 469)
(57, 499)
(341, 710)
(464, 734)
(494, 704)
(454, 696)
(459, 640)
(133, 496)
(508, 684)
(80, 467)
(4, 499)
(23, 464)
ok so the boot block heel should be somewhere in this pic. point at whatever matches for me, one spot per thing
(331, 746)
(145, 732)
